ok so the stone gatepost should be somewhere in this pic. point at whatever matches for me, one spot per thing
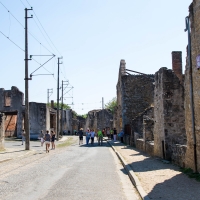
(2, 131)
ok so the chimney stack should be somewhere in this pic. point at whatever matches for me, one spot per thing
(123, 67)
(177, 64)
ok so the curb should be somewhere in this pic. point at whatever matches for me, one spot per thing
(134, 179)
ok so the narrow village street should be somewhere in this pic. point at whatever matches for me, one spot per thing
(69, 172)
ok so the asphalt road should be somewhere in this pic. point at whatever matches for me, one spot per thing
(73, 172)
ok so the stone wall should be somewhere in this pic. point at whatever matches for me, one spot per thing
(134, 95)
(99, 119)
(12, 104)
(195, 51)
(137, 96)
(169, 127)
(2, 118)
(37, 116)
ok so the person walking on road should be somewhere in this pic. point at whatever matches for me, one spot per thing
(47, 139)
(111, 134)
(80, 133)
(108, 132)
(53, 135)
(114, 134)
(23, 136)
(92, 133)
(88, 136)
(42, 138)
(121, 135)
(100, 137)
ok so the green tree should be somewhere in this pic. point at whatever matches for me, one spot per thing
(83, 116)
(65, 106)
(112, 104)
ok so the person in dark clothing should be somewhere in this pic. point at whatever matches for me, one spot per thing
(53, 139)
(47, 139)
(80, 133)
(114, 134)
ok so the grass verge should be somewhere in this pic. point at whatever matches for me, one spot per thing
(189, 172)
(66, 143)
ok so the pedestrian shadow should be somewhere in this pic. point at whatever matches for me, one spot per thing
(94, 145)
(36, 146)
(12, 152)
(17, 145)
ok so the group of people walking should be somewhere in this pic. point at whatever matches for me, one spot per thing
(90, 135)
(48, 138)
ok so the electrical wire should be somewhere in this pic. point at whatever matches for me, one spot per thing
(23, 25)
(44, 29)
(12, 41)
(23, 3)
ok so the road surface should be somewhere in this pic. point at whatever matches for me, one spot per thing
(73, 172)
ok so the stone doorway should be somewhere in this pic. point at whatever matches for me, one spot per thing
(53, 121)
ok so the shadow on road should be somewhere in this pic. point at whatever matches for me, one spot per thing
(12, 151)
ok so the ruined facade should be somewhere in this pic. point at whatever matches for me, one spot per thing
(42, 117)
(99, 119)
(12, 105)
(193, 138)
(134, 95)
(169, 127)
(2, 131)
(153, 105)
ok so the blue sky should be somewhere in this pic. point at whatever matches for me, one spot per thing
(92, 36)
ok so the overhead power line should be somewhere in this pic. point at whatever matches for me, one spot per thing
(44, 30)
(23, 25)
(11, 41)
(11, 14)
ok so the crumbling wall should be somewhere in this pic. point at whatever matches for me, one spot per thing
(195, 51)
(12, 101)
(137, 95)
(145, 123)
(37, 117)
(98, 119)
(2, 117)
(169, 128)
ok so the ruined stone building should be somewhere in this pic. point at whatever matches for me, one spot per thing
(192, 99)
(2, 131)
(41, 116)
(169, 119)
(150, 109)
(12, 105)
(99, 119)
(134, 94)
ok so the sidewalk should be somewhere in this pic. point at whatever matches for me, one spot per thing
(14, 149)
(158, 180)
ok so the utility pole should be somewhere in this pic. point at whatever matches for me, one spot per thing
(61, 125)
(58, 87)
(26, 121)
(103, 113)
(49, 93)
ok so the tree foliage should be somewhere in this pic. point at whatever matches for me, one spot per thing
(83, 116)
(65, 106)
(112, 104)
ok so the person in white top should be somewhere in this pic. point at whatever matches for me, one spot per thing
(92, 133)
